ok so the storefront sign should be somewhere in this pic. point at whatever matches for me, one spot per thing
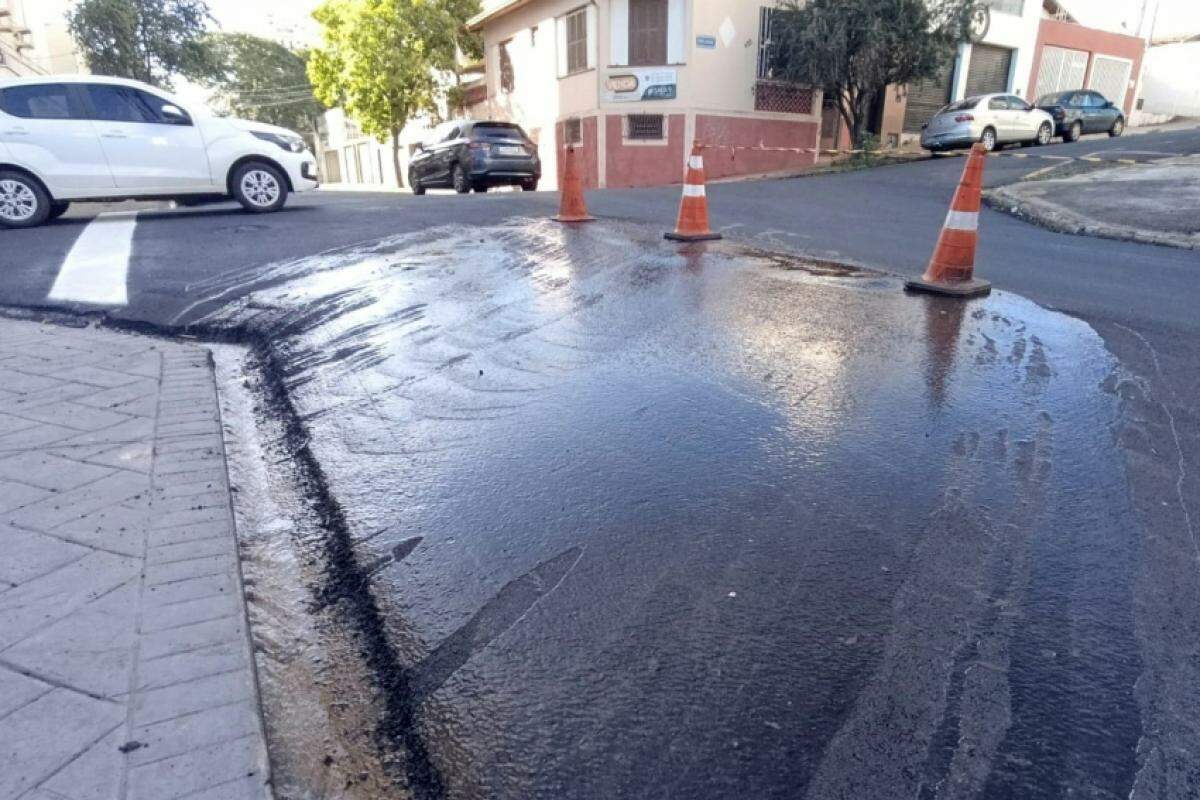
(636, 84)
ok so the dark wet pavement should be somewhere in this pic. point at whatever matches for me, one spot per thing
(704, 522)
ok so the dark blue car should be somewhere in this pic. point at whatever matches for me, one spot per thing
(1082, 111)
(471, 154)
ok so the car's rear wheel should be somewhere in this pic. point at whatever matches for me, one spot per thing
(259, 187)
(988, 139)
(1074, 132)
(1045, 132)
(57, 209)
(529, 186)
(458, 179)
(1118, 128)
(23, 201)
(415, 184)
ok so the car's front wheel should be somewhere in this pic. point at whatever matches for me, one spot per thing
(414, 183)
(1074, 132)
(1045, 132)
(259, 187)
(23, 201)
(1118, 128)
(988, 139)
(529, 186)
(458, 179)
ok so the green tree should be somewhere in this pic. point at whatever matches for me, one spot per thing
(854, 49)
(377, 64)
(263, 80)
(146, 40)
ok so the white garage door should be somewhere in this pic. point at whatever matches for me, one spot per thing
(1110, 77)
(1062, 70)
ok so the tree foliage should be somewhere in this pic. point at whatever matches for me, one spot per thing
(146, 40)
(263, 80)
(381, 59)
(853, 49)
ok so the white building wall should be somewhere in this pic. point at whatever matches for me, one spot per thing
(1017, 33)
(1171, 80)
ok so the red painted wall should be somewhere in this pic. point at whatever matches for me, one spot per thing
(749, 132)
(586, 155)
(642, 164)
(1077, 37)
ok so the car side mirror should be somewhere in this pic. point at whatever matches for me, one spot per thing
(1109, 104)
(419, 147)
(174, 115)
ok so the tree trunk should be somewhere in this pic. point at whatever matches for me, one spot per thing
(396, 157)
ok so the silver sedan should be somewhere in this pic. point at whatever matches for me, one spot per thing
(993, 119)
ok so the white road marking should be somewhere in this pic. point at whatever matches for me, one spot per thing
(96, 269)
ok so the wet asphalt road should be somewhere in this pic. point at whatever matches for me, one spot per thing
(712, 522)
(715, 523)
(885, 218)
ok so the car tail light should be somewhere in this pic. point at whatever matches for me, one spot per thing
(480, 146)
(964, 118)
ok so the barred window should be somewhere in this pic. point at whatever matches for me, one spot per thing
(573, 131)
(645, 126)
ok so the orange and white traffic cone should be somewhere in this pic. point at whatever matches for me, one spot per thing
(693, 209)
(952, 269)
(571, 206)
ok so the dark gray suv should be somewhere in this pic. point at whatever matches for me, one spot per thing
(471, 154)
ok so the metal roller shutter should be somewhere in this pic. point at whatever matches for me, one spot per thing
(989, 69)
(1110, 77)
(1061, 70)
(925, 99)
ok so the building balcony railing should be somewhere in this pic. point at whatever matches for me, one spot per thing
(782, 97)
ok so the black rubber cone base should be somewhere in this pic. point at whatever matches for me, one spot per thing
(971, 288)
(692, 237)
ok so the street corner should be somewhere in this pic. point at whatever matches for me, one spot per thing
(1153, 202)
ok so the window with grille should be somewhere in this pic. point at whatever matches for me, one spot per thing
(645, 127)
(647, 33)
(765, 45)
(577, 43)
(507, 78)
(573, 131)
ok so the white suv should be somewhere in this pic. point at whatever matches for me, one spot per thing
(71, 138)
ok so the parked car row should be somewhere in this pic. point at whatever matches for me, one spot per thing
(999, 119)
(70, 138)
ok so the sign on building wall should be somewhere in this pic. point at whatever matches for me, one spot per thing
(636, 84)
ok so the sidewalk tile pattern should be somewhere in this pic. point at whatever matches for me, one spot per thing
(125, 663)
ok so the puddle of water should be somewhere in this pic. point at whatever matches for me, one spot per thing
(646, 520)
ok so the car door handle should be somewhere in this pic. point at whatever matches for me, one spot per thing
(114, 135)
(16, 132)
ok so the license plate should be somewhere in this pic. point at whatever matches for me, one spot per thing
(511, 150)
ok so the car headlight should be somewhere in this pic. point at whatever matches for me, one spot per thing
(293, 144)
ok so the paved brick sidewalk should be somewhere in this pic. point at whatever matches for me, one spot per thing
(125, 667)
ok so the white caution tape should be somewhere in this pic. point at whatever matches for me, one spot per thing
(691, 190)
(696, 162)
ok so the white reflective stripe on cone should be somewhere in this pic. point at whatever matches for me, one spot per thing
(696, 162)
(690, 190)
(962, 220)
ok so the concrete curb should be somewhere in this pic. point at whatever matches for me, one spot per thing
(1061, 220)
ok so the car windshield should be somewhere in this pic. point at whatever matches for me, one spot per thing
(962, 105)
(497, 130)
(1052, 99)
